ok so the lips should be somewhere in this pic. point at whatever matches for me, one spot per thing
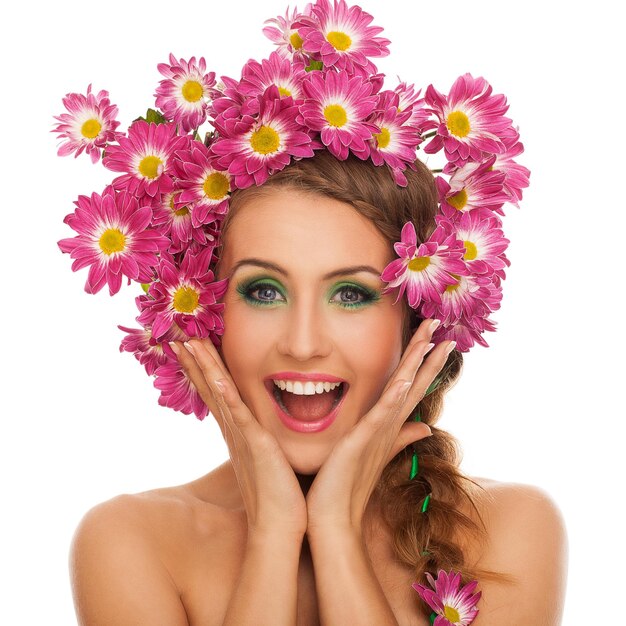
(306, 426)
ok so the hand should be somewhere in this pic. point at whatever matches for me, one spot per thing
(270, 490)
(342, 488)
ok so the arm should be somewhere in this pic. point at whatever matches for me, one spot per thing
(347, 588)
(528, 540)
(116, 575)
(267, 591)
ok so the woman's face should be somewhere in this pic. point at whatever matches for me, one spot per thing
(293, 319)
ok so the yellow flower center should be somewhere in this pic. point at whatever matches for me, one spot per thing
(265, 140)
(215, 186)
(458, 200)
(149, 166)
(192, 91)
(451, 288)
(419, 264)
(335, 115)
(112, 240)
(186, 299)
(471, 251)
(458, 124)
(296, 40)
(182, 212)
(284, 92)
(451, 614)
(383, 137)
(91, 129)
(339, 40)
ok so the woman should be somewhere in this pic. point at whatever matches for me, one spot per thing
(341, 499)
(310, 522)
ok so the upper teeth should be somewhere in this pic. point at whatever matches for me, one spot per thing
(305, 389)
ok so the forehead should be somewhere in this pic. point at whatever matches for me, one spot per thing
(303, 230)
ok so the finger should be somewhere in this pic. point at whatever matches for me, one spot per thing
(235, 410)
(409, 433)
(423, 334)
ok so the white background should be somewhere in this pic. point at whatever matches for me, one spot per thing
(543, 405)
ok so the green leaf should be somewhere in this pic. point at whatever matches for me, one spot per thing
(145, 286)
(314, 65)
(155, 117)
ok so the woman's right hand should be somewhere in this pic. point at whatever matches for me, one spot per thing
(270, 490)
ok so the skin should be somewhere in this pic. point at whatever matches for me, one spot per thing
(294, 509)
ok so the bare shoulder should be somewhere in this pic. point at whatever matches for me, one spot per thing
(126, 554)
(527, 540)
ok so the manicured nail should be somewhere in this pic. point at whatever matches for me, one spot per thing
(450, 347)
(190, 348)
(220, 385)
(434, 325)
(429, 347)
(175, 348)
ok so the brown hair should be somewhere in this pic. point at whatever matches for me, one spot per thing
(423, 541)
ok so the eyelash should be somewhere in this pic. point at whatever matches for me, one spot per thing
(246, 289)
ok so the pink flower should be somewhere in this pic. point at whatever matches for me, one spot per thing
(409, 100)
(425, 271)
(340, 36)
(516, 177)
(114, 239)
(337, 107)
(89, 125)
(287, 76)
(453, 606)
(183, 95)
(267, 143)
(185, 295)
(471, 120)
(145, 155)
(466, 333)
(177, 390)
(205, 186)
(285, 36)
(472, 187)
(396, 142)
(174, 221)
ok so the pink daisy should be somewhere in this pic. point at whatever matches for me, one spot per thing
(186, 295)
(472, 187)
(174, 221)
(466, 333)
(114, 239)
(285, 36)
(267, 144)
(287, 76)
(183, 95)
(177, 390)
(410, 100)
(516, 177)
(453, 605)
(483, 240)
(89, 125)
(145, 157)
(471, 120)
(205, 187)
(341, 37)
(232, 111)
(396, 142)
(337, 107)
(424, 271)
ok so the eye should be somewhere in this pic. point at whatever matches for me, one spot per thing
(260, 293)
(353, 296)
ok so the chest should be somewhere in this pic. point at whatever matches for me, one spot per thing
(208, 572)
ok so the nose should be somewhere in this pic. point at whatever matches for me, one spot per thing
(305, 334)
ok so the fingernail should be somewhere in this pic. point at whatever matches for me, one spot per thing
(175, 348)
(450, 347)
(429, 347)
(434, 325)
(220, 385)
(189, 347)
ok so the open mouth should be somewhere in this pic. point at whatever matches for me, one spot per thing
(307, 413)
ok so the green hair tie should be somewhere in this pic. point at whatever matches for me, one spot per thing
(417, 417)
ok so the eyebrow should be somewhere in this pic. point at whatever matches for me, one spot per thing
(355, 269)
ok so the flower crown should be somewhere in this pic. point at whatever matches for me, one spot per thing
(158, 222)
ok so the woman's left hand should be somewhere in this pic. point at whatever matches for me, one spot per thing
(342, 488)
